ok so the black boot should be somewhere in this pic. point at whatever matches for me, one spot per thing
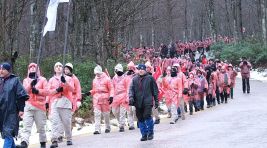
(54, 144)
(121, 129)
(69, 143)
(43, 144)
(150, 136)
(23, 144)
(144, 138)
(157, 121)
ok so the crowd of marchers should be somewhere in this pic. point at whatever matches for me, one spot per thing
(183, 84)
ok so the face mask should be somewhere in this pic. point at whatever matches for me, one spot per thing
(69, 74)
(32, 75)
(119, 73)
(130, 72)
(173, 74)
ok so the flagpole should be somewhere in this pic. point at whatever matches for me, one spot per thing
(66, 33)
(41, 41)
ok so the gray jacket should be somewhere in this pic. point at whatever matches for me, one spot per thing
(143, 90)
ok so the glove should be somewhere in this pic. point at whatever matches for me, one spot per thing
(35, 91)
(78, 104)
(59, 89)
(205, 89)
(131, 102)
(156, 105)
(46, 106)
(88, 93)
(63, 80)
(185, 91)
(34, 82)
(110, 100)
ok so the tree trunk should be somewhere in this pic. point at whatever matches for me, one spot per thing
(212, 20)
(263, 20)
(185, 22)
(241, 29)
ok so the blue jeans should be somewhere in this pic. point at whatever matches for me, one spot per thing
(9, 143)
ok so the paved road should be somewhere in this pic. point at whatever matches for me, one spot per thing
(242, 123)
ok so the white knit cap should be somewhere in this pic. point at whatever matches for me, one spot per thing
(69, 65)
(58, 63)
(119, 67)
(98, 69)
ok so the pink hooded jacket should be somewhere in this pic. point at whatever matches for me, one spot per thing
(101, 91)
(38, 100)
(77, 93)
(166, 82)
(68, 88)
(120, 92)
(222, 84)
(176, 89)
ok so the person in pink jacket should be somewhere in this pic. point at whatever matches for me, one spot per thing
(176, 90)
(60, 100)
(245, 67)
(233, 75)
(193, 85)
(131, 110)
(202, 89)
(165, 86)
(211, 90)
(35, 109)
(77, 95)
(102, 92)
(181, 75)
(120, 103)
(224, 82)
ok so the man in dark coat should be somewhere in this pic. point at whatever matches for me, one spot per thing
(143, 92)
(12, 102)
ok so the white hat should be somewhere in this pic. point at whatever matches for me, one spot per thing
(176, 65)
(69, 65)
(119, 67)
(57, 64)
(98, 69)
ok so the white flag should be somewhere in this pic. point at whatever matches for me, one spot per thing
(52, 15)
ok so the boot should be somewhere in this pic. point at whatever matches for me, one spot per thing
(54, 144)
(131, 128)
(69, 142)
(43, 144)
(150, 136)
(191, 113)
(60, 139)
(96, 132)
(121, 129)
(23, 144)
(174, 121)
(143, 138)
(107, 131)
(157, 121)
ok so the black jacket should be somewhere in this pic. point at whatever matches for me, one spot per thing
(12, 100)
(143, 91)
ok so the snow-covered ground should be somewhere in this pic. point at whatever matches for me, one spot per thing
(256, 75)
